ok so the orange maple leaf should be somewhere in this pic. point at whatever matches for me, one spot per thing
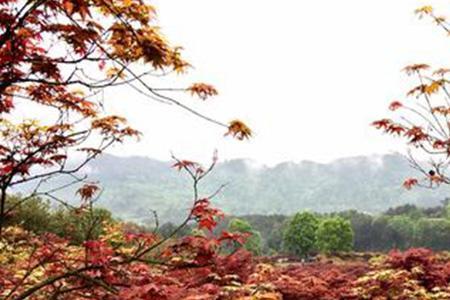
(202, 90)
(239, 130)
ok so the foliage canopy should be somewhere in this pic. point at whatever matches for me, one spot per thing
(335, 235)
(300, 235)
(58, 57)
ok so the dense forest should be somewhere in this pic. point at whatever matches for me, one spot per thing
(400, 227)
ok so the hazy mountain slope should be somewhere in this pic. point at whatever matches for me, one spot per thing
(134, 185)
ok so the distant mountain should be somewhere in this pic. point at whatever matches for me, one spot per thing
(135, 185)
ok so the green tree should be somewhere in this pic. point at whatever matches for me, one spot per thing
(254, 241)
(404, 228)
(446, 211)
(300, 235)
(362, 228)
(274, 240)
(433, 233)
(383, 236)
(34, 214)
(335, 235)
(408, 210)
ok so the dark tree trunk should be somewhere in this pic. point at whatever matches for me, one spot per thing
(2, 208)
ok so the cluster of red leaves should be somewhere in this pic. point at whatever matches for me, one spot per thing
(31, 144)
(205, 215)
(423, 117)
(194, 281)
(409, 183)
(431, 270)
(202, 90)
(423, 123)
(413, 274)
(415, 134)
(193, 269)
(310, 281)
(31, 71)
(112, 34)
(88, 191)
(239, 130)
(105, 268)
(189, 166)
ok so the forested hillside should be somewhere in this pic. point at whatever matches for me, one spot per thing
(135, 185)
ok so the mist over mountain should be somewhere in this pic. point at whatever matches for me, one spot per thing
(133, 186)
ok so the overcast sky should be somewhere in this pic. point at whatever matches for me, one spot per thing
(307, 76)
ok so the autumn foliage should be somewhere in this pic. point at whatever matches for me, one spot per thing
(123, 264)
(39, 267)
(422, 118)
(58, 57)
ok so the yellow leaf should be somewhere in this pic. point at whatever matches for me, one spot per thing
(115, 72)
(424, 10)
(127, 3)
(78, 92)
(433, 87)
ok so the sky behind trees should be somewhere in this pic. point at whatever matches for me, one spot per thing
(308, 76)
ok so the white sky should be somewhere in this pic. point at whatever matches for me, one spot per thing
(308, 76)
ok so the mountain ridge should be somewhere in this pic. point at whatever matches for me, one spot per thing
(135, 185)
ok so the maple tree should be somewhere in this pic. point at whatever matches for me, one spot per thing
(423, 119)
(58, 57)
(124, 264)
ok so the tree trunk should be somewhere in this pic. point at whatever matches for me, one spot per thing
(2, 208)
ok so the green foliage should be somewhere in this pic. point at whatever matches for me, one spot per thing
(36, 215)
(433, 233)
(408, 210)
(447, 211)
(33, 214)
(335, 235)
(383, 236)
(254, 241)
(239, 225)
(79, 227)
(399, 227)
(396, 228)
(362, 228)
(404, 230)
(300, 235)
(274, 240)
